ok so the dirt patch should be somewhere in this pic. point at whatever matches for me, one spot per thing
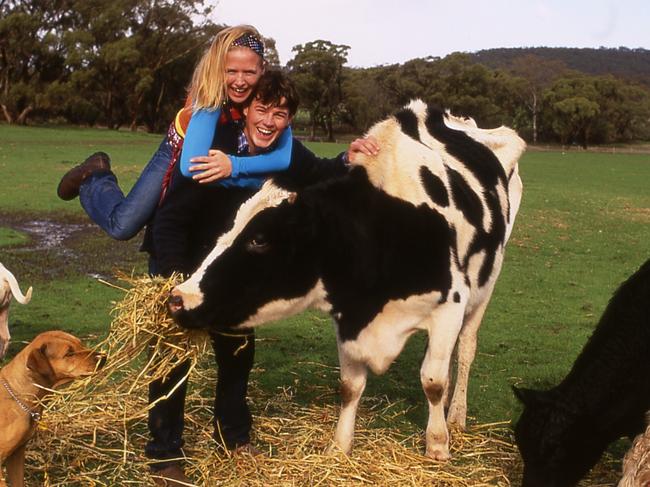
(48, 235)
(62, 246)
(624, 209)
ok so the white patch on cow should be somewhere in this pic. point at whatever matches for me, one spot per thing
(382, 340)
(268, 196)
(190, 292)
(282, 308)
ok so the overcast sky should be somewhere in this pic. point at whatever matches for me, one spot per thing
(393, 31)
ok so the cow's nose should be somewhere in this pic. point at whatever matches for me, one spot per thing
(175, 301)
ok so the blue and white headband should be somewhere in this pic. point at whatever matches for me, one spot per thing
(251, 42)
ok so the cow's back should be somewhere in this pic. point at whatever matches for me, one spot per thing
(467, 174)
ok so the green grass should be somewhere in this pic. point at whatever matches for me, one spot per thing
(583, 228)
(10, 237)
(34, 159)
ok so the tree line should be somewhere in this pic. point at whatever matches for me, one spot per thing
(126, 63)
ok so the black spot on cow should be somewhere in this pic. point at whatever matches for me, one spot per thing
(409, 123)
(485, 239)
(382, 248)
(465, 199)
(490, 241)
(478, 158)
(434, 187)
(456, 297)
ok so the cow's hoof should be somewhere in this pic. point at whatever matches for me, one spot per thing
(438, 454)
(456, 423)
(335, 449)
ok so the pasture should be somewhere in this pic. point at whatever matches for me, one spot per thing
(583, 228)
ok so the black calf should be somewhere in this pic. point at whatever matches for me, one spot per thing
(563, 431)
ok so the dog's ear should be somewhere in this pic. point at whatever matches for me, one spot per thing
(38, 363)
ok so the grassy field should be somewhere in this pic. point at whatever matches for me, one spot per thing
(584, 227)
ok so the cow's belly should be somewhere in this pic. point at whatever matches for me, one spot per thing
(381, 341)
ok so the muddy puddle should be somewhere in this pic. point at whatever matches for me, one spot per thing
(49, 235)
(58, 249)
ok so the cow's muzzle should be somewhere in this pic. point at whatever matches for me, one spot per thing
(175, 302)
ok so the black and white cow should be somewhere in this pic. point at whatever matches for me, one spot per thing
(562, 432)
(411, 239)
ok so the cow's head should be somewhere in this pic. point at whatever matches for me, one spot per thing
(557, 443)
(262, 269)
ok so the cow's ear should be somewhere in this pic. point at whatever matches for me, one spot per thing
(38, 363)
(528, 397)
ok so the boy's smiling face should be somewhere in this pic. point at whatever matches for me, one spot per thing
(265, 123)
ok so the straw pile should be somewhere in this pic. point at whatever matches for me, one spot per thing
(636, 464)
(94, 432)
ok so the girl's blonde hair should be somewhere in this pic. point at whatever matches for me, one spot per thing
(208, 86)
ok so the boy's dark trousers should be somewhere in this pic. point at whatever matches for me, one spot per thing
(234, 354)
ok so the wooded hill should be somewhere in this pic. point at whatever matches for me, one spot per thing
(622, 62)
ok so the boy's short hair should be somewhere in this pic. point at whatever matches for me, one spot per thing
(276, 89)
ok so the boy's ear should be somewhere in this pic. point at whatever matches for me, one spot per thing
(245, 111)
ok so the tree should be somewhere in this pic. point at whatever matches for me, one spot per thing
(113, 61)
(458, 84)
(538, 74)
(271, 53)
(136, 53)
(571, 106)
(317, 70)
(30, 55)
(624, 111)
(366, 99)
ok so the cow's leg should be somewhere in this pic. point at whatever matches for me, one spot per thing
(353, 382)
(446, 397)
(444, 326)
(457, 413)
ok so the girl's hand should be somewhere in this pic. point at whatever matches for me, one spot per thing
(216, 165)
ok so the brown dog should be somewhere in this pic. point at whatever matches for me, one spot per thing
(53, 358)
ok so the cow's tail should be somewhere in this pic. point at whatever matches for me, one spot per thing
(13, 285)
(505, 143)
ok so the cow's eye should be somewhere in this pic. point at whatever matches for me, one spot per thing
(258, 243)
(70, 352)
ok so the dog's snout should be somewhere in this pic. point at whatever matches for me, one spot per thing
(175, 301)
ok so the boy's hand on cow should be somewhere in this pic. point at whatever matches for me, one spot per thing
(216, 165)
(367, 146)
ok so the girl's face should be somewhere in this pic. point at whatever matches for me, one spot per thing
(243, 71)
